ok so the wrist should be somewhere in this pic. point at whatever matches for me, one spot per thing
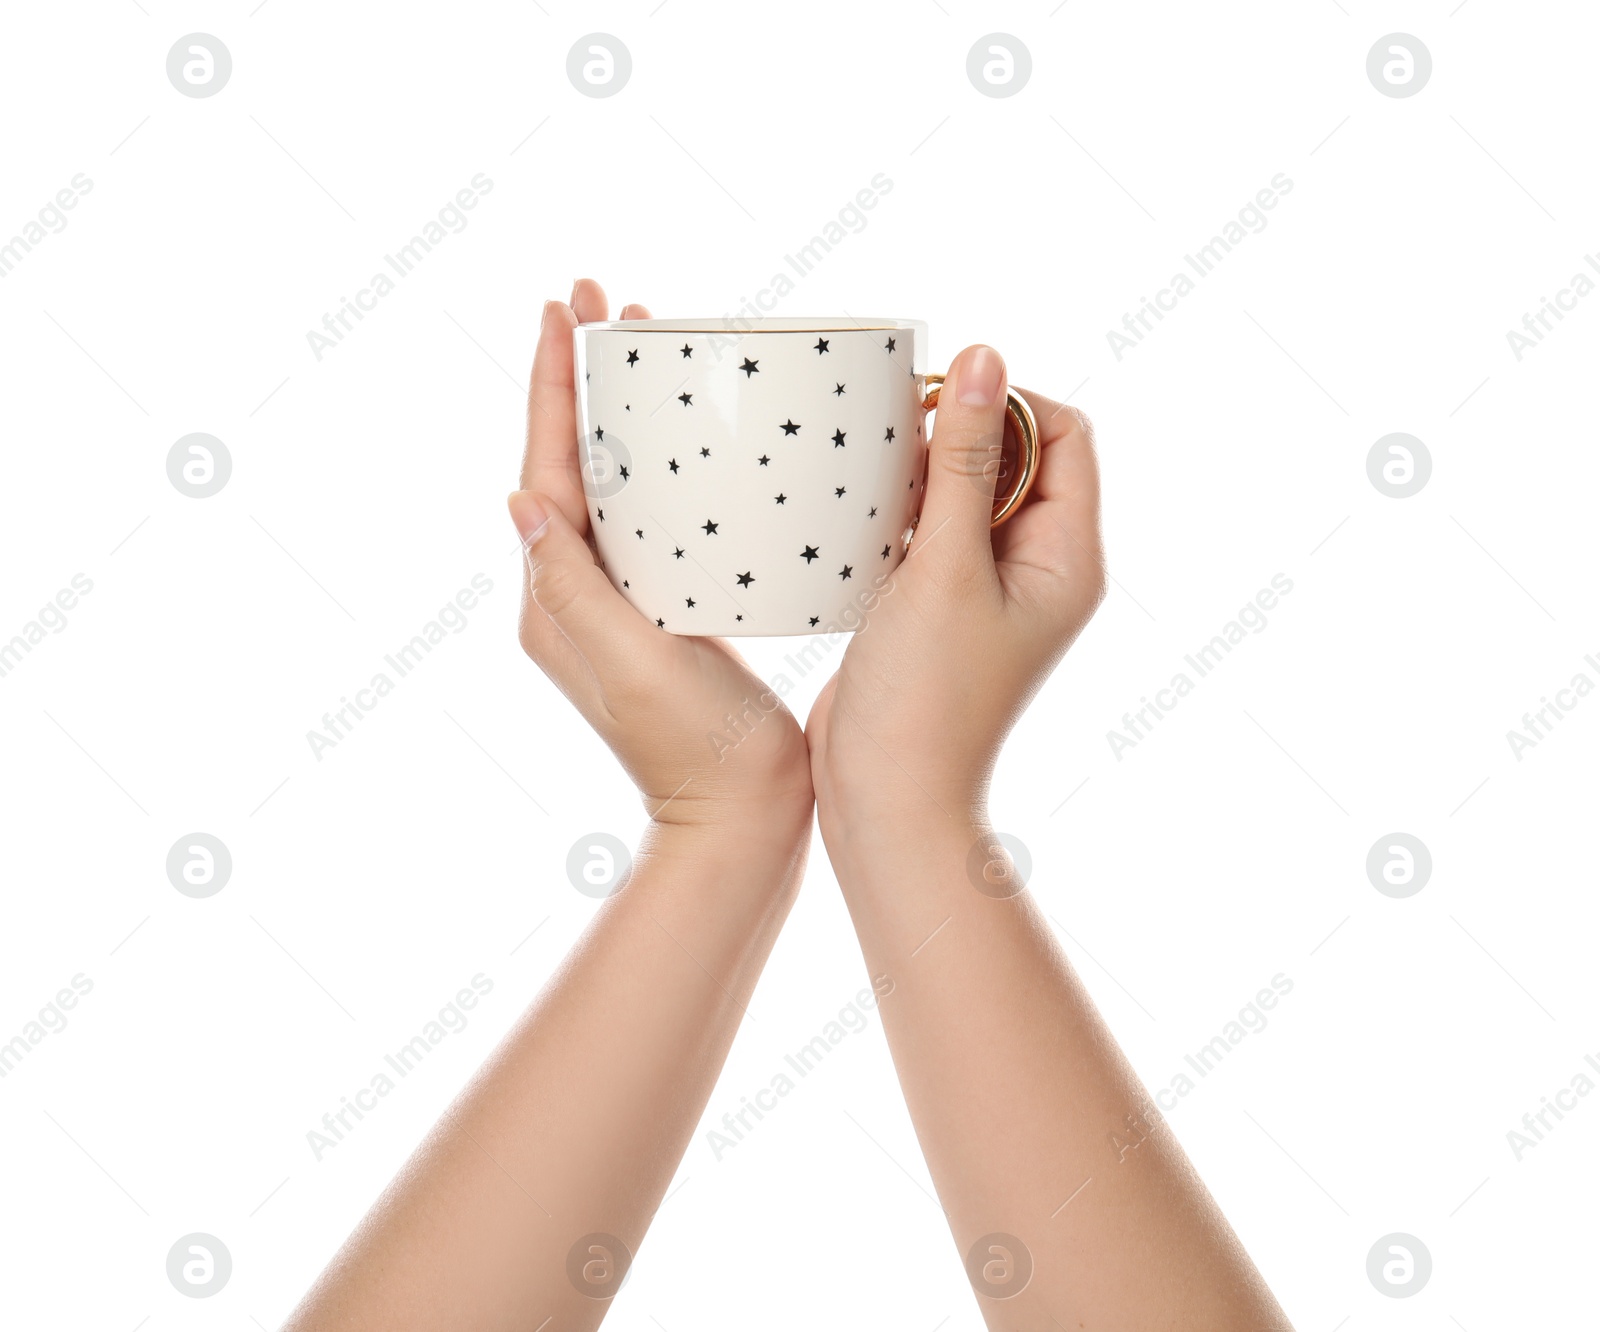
(882, 840)
(888, 803)
(759, 828)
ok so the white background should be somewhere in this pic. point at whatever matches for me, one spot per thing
(368, 488)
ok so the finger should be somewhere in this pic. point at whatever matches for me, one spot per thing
(1058, 529)
(634, 312)
(589, 301)
(1069, 469)
(550, 461)
(578, 599)
(962, 454)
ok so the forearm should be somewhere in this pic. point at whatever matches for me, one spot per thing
(576, 1124)
(1016, 1089)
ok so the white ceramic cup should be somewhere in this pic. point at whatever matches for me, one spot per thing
(755, 480)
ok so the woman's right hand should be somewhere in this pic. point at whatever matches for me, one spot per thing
(706, 742)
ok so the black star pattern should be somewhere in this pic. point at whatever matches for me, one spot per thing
(790, 428)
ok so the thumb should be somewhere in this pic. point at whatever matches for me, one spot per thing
(573, 592)
(964, 455)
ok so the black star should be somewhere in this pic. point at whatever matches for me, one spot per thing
(822, 345)
(678, 553)
(745, 579)
(813, 621)
(673, 464)
(886, 552)
(889, 434)
(705, 453)
(661, 624)
(738, 617)
(639, 532)
(789, 427)
(710, 529)
(808, 554)
(600, 514)
(624, 472)
(749, 367)
(763, 460)
(838, 392)
(685, 398)
(599, 433)
(626, 583)
(688, 351)
(633, 356)
(872, 512)
(889, 346)
(689, 602)
(838, 492)
(779, 499)
(845, 572)
(838, 439)
(627, 406)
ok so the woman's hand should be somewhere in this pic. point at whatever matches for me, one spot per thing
(968, 627)
(706, 742)
(988, 1024)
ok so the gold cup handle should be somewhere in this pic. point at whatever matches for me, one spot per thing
(1021, 416)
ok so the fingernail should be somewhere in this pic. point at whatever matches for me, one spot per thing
(544, 317)
(572, 300)
(981, 376)
(529, 516)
